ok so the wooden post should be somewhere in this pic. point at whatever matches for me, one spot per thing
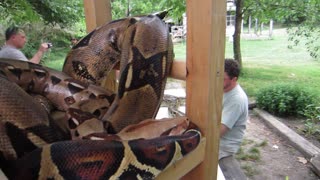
(206, 33)
(206, 28)
(97, 13)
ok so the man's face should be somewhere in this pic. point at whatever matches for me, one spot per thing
(228, 83)
(19, 40)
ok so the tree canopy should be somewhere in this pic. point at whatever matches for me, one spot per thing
(64, 13)
(124, 8)
(303, 15)
(59, 12)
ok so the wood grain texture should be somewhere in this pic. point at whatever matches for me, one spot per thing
(205, 70)
(206, 25)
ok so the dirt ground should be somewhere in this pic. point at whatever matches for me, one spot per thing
(279, 160)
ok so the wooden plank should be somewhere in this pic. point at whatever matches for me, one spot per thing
(205, 61)
(97, 13)
(206, 26)
(186, 164)
(304, 146)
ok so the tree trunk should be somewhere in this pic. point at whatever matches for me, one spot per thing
(128, 8)
(237, 32)
(249, 25)
(270, 28)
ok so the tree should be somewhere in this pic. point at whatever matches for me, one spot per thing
(124, 8)
(58, 12)
(307, 30)
(237, 32)
(302, 17)
(244, 9)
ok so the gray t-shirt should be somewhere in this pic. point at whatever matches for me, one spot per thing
(234, 116)
(11, 52)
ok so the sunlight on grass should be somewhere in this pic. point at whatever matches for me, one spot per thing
(266, 62)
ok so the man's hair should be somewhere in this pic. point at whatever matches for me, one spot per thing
(232, 68)
(13, 30)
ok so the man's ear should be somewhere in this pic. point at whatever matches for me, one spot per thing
(235, 79)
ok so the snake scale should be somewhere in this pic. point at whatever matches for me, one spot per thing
(99, 134)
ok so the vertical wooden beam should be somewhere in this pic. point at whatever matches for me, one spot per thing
(206, 27)
(97, 13)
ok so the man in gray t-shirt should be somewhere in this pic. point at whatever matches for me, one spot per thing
(11, 52)
(234, 111)
(15, 40)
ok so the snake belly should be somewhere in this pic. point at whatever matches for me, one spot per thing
(33, 145)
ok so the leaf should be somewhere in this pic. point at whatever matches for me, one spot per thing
(302, 160)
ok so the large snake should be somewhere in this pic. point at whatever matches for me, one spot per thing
(101, 135)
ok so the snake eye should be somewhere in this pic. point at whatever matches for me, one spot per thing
(69, 100)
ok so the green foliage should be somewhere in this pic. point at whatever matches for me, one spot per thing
(303, 13)
(29, 11)
(39, 33)
(284, 99)
(312, 123)
(124, 8)
(17, 12)
(59, 11)
(309, 36)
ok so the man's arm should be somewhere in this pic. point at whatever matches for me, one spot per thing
(223, 129)
(178, 70)
(37, 57)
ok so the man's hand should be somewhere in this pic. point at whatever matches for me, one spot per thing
(37, 57)
(223, 129)
(44, 47)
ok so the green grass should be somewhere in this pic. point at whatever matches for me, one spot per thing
(55, 58)
(250, 170)
(249, 154)
(180, 50)
(266, 62)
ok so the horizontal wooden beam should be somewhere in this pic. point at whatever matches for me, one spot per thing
(186, 164)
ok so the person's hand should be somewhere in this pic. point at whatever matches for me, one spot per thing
(44, 47)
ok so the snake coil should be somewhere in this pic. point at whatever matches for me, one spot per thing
(86, 131)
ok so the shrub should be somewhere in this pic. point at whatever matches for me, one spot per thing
(284, 99)
(312, 122)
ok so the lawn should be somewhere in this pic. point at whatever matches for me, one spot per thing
(55, 58)
(266, 62)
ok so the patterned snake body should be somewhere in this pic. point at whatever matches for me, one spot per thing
(143, 48)
(35, 145)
